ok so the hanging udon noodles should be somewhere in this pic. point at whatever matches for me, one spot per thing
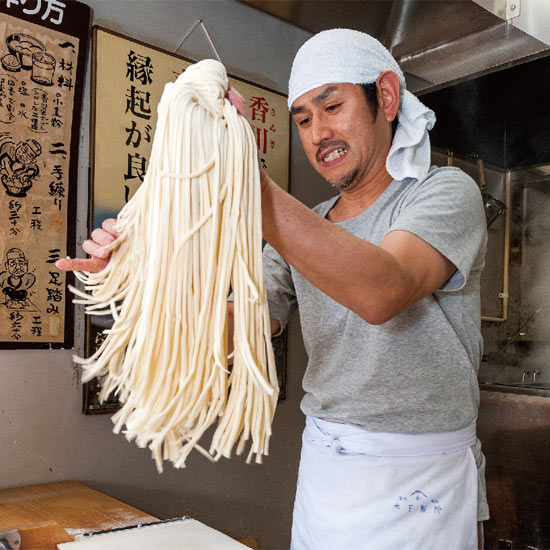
(190, 232)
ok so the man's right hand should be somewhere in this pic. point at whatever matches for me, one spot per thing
(95, 247)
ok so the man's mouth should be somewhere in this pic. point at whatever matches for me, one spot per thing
(333, 155)
(330, 152)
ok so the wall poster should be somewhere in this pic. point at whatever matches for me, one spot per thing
(128, 79)
(42, 62)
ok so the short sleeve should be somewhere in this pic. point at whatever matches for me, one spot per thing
(446, 211)
(281, 295)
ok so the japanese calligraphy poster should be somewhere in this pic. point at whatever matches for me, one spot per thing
(129, 80)
(38, 81)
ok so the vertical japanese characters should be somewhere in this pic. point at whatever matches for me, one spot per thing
(263, 115)
(138, 114)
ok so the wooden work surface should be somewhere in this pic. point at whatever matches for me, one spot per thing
(72, 505)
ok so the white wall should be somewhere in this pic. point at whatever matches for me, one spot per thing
(43, 435)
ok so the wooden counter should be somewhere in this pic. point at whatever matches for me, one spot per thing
(54, 512)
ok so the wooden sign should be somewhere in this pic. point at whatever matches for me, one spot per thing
(128, 81)
(42, 62)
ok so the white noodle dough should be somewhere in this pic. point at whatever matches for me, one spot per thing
(191, 230)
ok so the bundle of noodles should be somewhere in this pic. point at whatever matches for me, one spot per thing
(191, 230)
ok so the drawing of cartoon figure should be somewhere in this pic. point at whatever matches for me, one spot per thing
(18, 168)
(16, 281)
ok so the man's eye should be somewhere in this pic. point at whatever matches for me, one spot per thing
(304, 121)
(332, 108)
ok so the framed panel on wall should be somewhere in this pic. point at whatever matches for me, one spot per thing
(43, 49)
(128, 78)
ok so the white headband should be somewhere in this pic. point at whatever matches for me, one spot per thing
(344, 55)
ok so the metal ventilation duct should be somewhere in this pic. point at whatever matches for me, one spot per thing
(437, 42)
(501, 117)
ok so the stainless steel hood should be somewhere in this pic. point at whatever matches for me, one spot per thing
(437, 42)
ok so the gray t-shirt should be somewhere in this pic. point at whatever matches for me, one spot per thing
(416, 373)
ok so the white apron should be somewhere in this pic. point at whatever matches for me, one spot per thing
(359, 490)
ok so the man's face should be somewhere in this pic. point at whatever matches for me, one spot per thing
(340, 137)
(17, 266)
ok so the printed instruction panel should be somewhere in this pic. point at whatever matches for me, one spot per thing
(37, 80)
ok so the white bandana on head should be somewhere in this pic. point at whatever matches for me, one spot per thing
(343, 55)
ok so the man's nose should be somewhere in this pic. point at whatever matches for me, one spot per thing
(320, 131)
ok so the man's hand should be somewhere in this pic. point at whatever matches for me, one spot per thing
(96, 247)
(239, 102)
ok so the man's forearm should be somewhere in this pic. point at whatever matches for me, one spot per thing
(359, 275)
(375, 282)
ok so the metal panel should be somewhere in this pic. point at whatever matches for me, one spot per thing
(534, 19)
(505, 9)
(435, 41)
(514, 431)
(489, 117)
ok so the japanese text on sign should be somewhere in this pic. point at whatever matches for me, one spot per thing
(130, 80)
(51, 10)
(37, 81)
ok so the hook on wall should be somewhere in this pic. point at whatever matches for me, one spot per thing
(190, 31)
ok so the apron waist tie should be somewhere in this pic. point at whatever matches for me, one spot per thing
(344, 438)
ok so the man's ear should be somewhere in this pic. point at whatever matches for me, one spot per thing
(388, 94)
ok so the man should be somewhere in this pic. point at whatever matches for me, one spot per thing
(16, 280)
(386, 277)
